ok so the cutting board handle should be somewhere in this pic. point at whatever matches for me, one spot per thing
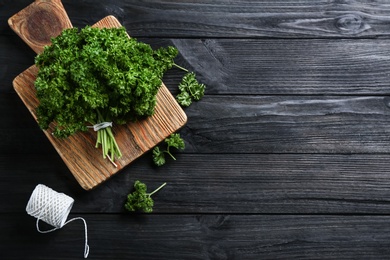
(39, 22)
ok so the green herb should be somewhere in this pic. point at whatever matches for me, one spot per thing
(190, 89)
(140, 199)
(174, 141)
(93, 75)
(158, 156)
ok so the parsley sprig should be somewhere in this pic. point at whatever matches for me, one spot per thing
(139, 199)
(93, 75)
(190, 89)
(175, 141)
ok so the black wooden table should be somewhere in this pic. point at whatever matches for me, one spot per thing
(287, 155)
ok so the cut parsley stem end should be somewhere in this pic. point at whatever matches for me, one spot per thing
(110, 148)
(156, 190)
(180, 67)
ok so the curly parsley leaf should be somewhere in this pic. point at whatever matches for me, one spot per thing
(190, 89)
(174, 140)
(158, 156)
(184, 99)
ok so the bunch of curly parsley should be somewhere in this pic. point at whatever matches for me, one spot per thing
(93, 75)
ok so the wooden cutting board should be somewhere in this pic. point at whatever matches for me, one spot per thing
(78, 151)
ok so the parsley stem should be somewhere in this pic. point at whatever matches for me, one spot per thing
(114, 143)
(168, 152)
(105, 137)
(98, 139)
(159, 188)
(105, 146)
(180, 67)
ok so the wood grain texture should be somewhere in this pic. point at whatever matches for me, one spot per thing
(280, 67)
(202, 237)
(78, 151)
(287, 156)
(244, 19)
(40, 21)
(214, 184)
(19, 132)
(233, 19)
(289, 124)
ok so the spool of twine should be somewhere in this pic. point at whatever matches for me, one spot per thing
(53, 208)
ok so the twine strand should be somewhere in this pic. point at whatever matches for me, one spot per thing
(101, 125)
(86, 246)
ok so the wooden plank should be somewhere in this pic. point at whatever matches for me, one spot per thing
(210, 183)
(264, 67)
(280, 66)
(238, 19)
(210, 19)
(201, 237)
(78, 151)
(15, 57)
(288, 124)
(19, 132)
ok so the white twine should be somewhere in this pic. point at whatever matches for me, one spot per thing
(101, 125)
(53, 208)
